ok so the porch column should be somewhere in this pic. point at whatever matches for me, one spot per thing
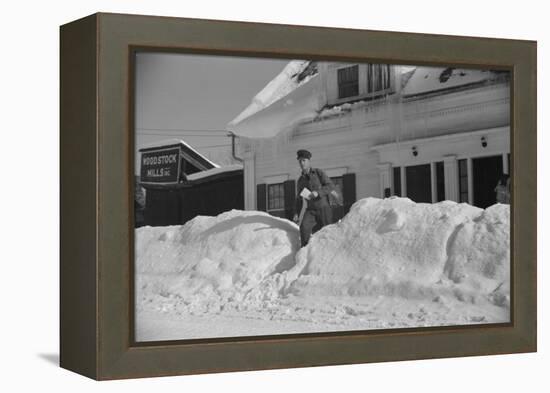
(450, 165)
(384, 171)
(249, 181)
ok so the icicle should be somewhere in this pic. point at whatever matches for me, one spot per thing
(397, 106)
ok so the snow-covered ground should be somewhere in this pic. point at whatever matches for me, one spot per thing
(389, 263)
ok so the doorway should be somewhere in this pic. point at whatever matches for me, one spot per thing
(419, 183)
(486, 172)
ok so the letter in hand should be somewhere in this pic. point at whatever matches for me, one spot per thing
(306, 194)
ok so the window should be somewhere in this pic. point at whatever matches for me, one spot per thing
(275, 196)
(348, 81)
(378, 77)
(397, 181)
(463, 180)
(338, 182)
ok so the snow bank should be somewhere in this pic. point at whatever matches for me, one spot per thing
(395, 247)
(213, 257)
(383, 248)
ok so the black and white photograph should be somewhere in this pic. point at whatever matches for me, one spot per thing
(289, 196)
(276, 197)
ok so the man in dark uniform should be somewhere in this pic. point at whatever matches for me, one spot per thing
(318, 212)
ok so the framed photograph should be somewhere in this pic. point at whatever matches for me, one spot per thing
(242, 196)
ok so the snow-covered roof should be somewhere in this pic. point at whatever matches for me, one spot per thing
(296, 96)
(431, 79)
(214, 171)
(290, 98)
(175, 141)
(288, 80)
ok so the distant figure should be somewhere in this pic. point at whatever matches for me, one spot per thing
(313, 210)
(502, 189)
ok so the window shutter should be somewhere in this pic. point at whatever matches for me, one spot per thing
(261, 197)
(348, 181)
(290, 198)
(397, 181)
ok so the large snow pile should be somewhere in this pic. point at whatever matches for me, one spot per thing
(212, 258)
(389, 263)
(400, 248)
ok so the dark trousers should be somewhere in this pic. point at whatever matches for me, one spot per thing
(314, 220)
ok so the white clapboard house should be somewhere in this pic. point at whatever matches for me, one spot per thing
(427, 133)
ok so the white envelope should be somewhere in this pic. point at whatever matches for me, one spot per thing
(305, 193)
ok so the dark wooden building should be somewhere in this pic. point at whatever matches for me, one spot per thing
(181, 184)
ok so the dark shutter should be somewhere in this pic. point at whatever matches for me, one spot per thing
(348, 181)
(463, 180)
(440, 180)
(261, 197)
(290, 198)
(397, 181)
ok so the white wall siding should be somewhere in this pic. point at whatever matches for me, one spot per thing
(346, 139)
